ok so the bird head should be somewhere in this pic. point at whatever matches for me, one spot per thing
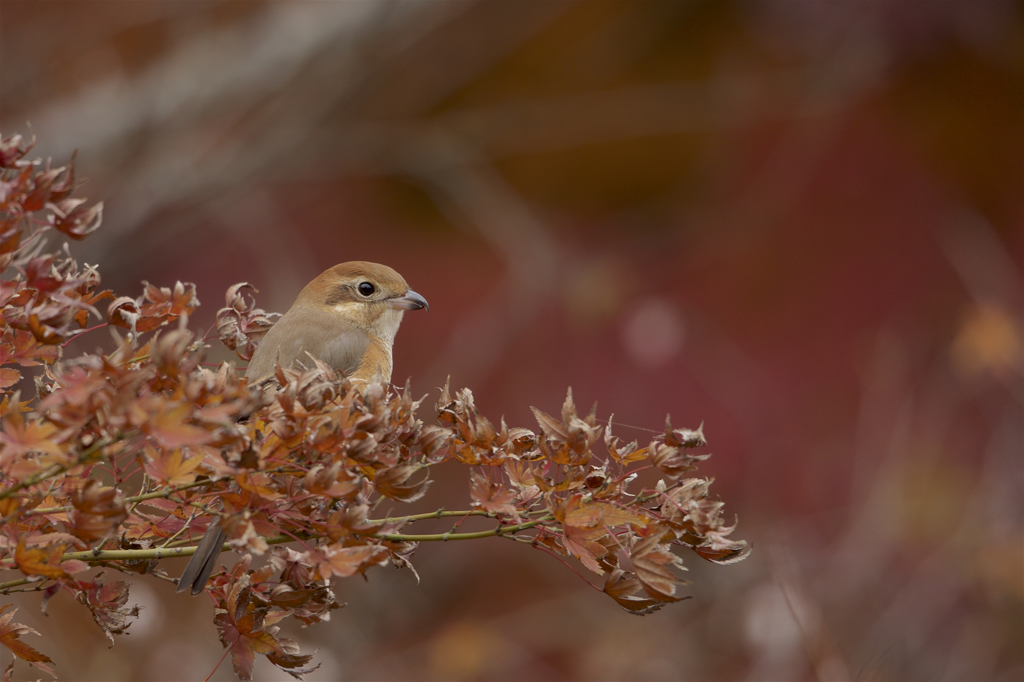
(370, 296)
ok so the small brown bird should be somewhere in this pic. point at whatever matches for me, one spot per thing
(347, 318)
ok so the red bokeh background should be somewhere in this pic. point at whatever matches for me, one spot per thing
(801, 223)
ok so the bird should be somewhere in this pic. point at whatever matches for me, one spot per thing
(347, 318)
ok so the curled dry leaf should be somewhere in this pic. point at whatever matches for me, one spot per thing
(628, 592)
(653, 562)
(73, 218)
(240, 324)
(108, 605)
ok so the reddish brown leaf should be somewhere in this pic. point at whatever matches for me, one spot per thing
(10, 634)
(9, 377)
(107, 604)
(551, 426)
(624, 587)
(19, 435)
(169, 425)
(344, 561)
(98, 511)
(653, 564)
(172, 467)
(394, 483)
(583, 543)
(333, 481)
(580, 514)
(12, 149)
(246, 628)
(74, 219)
(241, 324)
(123, 312)
(492, 497)
(26, 351)
(42, 560)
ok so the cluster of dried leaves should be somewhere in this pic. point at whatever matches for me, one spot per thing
(125, 458)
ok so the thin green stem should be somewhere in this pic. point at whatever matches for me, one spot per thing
(166, 492)
(440, 513)
(445, 537)
(181, 530)
(58, 469)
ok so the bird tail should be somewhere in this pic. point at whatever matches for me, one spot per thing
(200, 566)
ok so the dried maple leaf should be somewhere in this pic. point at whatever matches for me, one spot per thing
(259, 483)
(12, 150)
(241, 625)
(334, 481)
(172, 467)
(684, 438)
(98, 511)
(160, 305)
(168, 424)
(10, 633)
(123, 312)
(623, 454)
(107, 604)
(577, 512)
(246, 629)
(19, 435)
(585, 545)
(241, 325)
(24, 350)
(344, 561)
(74, 219)
(394, 483)
(719, 549)
(624, 587)
(667, 451)
(551, 427)
(653, 564)
(46, 561)
(9, 377)
(492, 497)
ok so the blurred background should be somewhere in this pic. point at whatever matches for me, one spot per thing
(801, 223)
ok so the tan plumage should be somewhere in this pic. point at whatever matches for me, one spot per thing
(337, 319)
(347, 318)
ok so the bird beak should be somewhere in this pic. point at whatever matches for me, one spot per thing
(409, 301)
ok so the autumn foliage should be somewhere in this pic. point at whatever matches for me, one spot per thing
(123, 459)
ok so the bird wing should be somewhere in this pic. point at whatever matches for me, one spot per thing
(334, 342)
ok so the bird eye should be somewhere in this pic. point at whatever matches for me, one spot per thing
(366, 289)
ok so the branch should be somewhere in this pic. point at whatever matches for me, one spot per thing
(4, 587)
(97, 555)
(440, 513)
(444, 537)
